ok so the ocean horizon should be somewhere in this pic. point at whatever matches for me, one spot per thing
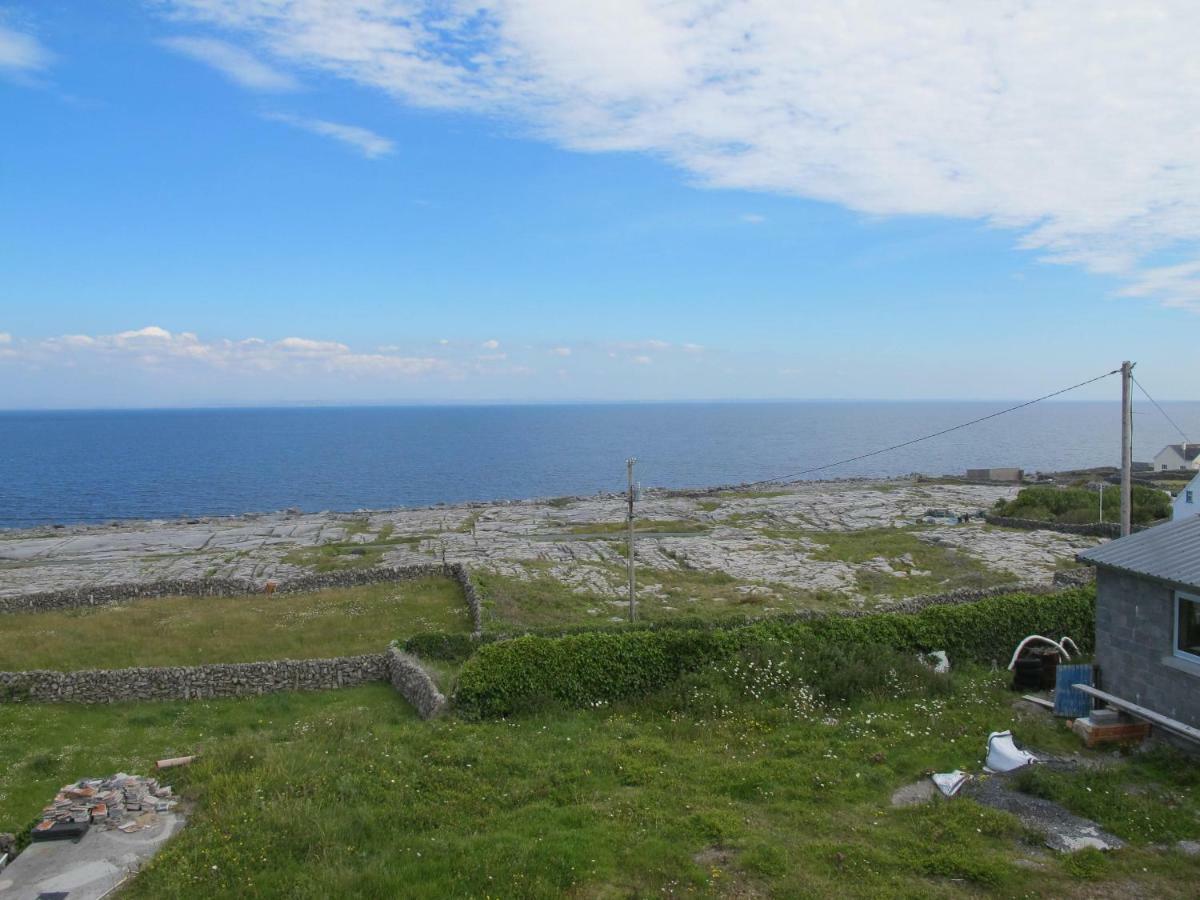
(78, 466)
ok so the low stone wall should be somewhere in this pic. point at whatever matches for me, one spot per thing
(414, 684)
(1094, 529)
(100, 595)
(1067, 579)
(459, 573)
(192, 682)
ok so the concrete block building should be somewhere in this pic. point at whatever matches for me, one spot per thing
(1148, 618)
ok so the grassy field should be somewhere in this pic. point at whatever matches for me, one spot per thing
(703, 790)
(543, 601)
(943, 568)
(334, 556)
(191, 630)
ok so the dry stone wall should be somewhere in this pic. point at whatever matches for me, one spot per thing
(192, 682)
(100, 595)
(414, 684)
(1094, 529)
(459, 573)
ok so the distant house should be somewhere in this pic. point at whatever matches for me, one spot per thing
(1148, 618)
(1187, 502)
(1000, 474)
(1177, 456)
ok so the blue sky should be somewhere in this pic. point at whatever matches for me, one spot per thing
(215, 201)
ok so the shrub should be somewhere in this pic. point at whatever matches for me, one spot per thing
(582, 669)
(449, 646)
(593, 667)
(1080, 506)
(845, 674)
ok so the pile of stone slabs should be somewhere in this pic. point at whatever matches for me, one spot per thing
(125, 802)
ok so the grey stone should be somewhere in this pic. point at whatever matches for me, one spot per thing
(914, 794)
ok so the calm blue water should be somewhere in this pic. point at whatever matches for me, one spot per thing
(96, 466)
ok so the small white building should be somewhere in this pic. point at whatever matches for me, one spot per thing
(1177, 456)
(1187, 501)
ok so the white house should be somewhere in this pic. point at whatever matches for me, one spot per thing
(1177, 456)
(1187, 502)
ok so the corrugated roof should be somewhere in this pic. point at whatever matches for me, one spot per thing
(1170, 552)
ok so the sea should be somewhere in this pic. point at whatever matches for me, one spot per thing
(100, 466)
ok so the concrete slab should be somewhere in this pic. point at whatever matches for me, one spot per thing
(88, 869)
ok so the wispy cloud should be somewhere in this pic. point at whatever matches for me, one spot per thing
(365, 141)
(1071, 123)
(21, 52)
(154, 347)
(235, 63)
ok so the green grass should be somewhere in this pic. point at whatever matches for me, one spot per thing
(543, 601)
(540, 601)
(335, 556)
(1154, 797)
(948, 569)
(195, 630)
(702, 790)
(716, 595)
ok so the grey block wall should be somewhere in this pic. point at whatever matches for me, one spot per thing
(1135, 634)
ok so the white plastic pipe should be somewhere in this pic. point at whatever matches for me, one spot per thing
(1037, 637)
(1066, 640)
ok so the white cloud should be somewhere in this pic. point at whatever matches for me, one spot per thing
(643, 360)
(154, 347)
(693, 348)
(490, 345)
(21, 52)
(365, 141)
(753, 218)
(5, 337)
(149, 333)
(233, 62)
(561, 351)
(307, 346)
(1070, 121)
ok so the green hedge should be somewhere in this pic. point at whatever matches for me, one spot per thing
(444, 645)
(580, 670)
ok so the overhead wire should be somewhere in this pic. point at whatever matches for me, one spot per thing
(841, 462)
(1161, 410)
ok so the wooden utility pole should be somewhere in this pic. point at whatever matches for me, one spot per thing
(632, 593)
(1126, 448)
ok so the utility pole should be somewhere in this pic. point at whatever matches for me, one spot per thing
(1126, 448)
(632, 595)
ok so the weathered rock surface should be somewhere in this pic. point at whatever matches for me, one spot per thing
(770, 540)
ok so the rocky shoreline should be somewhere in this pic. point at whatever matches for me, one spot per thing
(768, 537)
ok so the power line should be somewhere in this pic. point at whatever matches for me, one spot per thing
(842, 462)
(1161, 410)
